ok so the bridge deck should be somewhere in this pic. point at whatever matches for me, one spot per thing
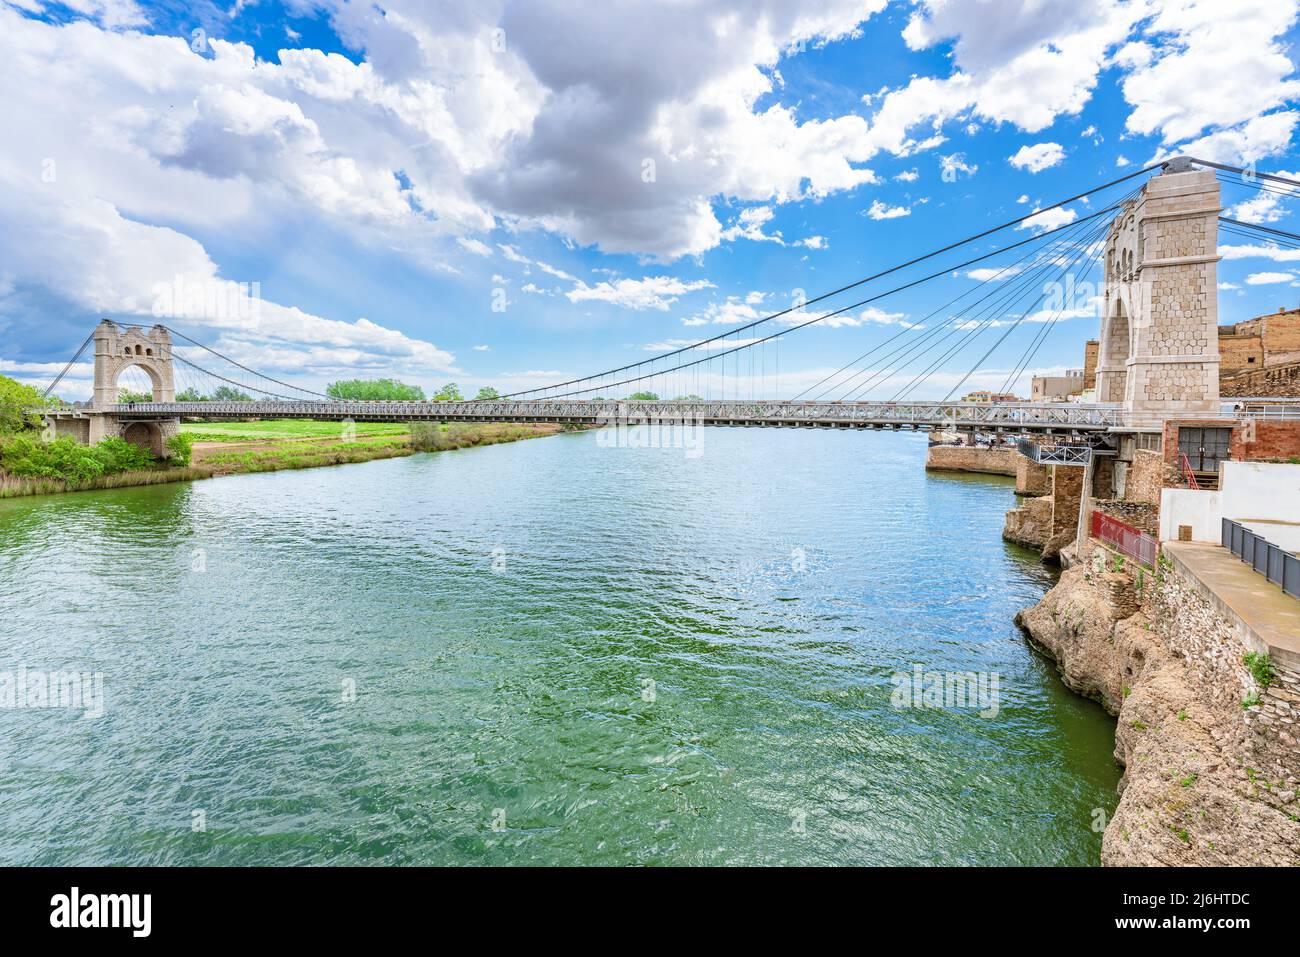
(1019, 417)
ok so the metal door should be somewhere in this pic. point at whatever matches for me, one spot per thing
(1204, 448)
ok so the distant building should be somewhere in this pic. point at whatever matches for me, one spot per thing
(1261, 356)
(1056, 388)
(984, 396)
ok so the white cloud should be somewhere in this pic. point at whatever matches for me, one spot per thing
(98, 260)
(749, 225)
(653, 292)
(984, 273)
(669, 345)
(1260, 209)
(729, 312)
(1250, 251)
(1215, 77)
(1049, 219)
(908, 176)
(1265, 207)
(1038, 157)
(1269, 278)
(950, 166)
(879, 210)
(482, 348)
(474, 246)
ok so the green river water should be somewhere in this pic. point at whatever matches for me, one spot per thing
(547, 652)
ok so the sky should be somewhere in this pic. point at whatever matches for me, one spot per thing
(518, 192)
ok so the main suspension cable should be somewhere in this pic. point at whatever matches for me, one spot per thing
(835, 292)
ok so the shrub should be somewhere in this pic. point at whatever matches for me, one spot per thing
(63, 458)
(119, 455)
(66, 459)
(181, 448)
(1260, 666)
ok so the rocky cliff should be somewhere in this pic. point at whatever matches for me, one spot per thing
(1205, 781)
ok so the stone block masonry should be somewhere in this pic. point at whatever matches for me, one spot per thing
(967, 458)
(1031, 478)
(1145, 477)
(1159, 350)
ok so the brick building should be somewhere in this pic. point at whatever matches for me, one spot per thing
(1261, 356)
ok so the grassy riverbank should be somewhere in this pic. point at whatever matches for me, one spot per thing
(232, 448)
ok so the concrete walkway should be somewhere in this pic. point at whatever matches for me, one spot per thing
(1264, 614)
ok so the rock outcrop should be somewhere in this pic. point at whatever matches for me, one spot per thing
(1206, 781)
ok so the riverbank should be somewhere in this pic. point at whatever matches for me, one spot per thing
(1205, 707)
(234, 448)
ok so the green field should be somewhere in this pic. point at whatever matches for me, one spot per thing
(273, 430)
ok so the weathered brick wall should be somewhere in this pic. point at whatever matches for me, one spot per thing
(1143, 516)
(1067, 495)
(1090, 350)
(1239, 353)
(78, 429)
(1280, 331)
(962, 458)
(1145, 477)
(1256, 441)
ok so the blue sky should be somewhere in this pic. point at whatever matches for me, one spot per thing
(460, 191)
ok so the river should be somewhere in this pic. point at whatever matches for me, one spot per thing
(547, 652)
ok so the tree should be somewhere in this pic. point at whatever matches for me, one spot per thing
(487, 392)
(191, 395)
(643, 397)
(688, 398)
(15, 401)
(226, 393)
(130, 395)
(449, 393)
(375, 390)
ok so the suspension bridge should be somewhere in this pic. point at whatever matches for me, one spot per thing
(1154, 243)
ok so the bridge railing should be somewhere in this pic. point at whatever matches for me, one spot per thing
(1011, 416)
(1272, 561)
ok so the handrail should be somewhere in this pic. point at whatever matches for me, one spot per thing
(1276, 564)
(1055, 416)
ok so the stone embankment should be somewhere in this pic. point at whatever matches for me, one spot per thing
(1210, 753)
(969, 458)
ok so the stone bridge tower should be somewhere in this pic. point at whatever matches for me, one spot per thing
(1159, 352)
(117, 349)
